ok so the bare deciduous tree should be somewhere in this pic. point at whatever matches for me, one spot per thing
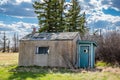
(15, 43)
(8, 46)
(4, 42)
(108, 48)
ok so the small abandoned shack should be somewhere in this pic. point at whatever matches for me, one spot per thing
(56, 50)
(86, 54)
(49, 49)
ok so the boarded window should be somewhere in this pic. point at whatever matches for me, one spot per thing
(42, 50)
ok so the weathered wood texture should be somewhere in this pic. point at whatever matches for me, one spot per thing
(62, 53)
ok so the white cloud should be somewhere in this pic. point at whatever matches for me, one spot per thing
(15, 1)
(28, 9)
(20, 28)
(115, 8)
(22, 8)
(3, 2)
(20, 1)
(94, 10)
(81, 0)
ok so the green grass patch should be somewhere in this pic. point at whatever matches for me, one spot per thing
(10, 71)
(39, 73)
(102, 64)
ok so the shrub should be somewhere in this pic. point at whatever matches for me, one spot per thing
(108, 48)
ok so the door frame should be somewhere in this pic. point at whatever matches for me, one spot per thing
(89, 55)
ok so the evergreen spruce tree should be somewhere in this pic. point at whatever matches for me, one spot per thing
(50, 15)
(42, 11)
(74, 20)
(52, 18)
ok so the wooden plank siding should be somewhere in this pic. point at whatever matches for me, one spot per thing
(62, 49)
(54, 58)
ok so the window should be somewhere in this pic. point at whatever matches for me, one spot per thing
(42, 50)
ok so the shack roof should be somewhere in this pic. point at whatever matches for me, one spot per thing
(51, 36)
(87, 42)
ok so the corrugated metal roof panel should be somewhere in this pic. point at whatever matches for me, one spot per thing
(51, 36)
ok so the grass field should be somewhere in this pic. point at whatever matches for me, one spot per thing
(10, 71)
(8, 58)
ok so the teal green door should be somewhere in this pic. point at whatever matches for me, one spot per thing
(84, 56)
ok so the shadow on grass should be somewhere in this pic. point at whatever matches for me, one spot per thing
(34, 72)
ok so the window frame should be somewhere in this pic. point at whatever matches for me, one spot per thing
(42, 50)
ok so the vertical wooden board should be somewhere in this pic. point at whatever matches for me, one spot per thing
(20, 62)
(65, 52)
(84, 56)
(40, 59)
(26, 53)
(22, 54)
(29, 53)
(74, 54)
(75, 49)
(54, 55)
(56, 49)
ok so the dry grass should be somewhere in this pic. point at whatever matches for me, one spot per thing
(112, 70)
(8, 58)
(37, 73)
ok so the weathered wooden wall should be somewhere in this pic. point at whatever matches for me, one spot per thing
(59, 51)
(75, 49)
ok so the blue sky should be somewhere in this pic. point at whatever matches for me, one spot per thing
(17, 16)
